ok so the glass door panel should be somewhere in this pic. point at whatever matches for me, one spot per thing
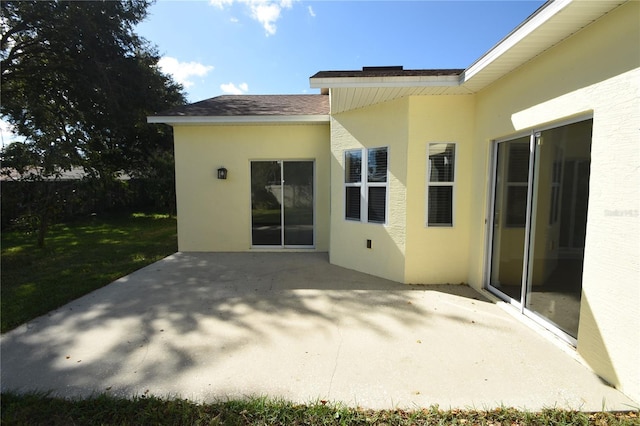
(298, 203)
(509, 217)
(539, 224)
(266, 212)
(558, 225)
(282, 203)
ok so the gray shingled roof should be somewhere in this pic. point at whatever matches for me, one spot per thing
(253, 105)
(387, 72)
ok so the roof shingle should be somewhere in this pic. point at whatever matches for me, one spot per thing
(254, 105)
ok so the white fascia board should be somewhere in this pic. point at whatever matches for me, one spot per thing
(516, 36)
(241, 119)
(397, 81)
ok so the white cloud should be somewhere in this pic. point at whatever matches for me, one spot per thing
(5, 126)
(221, 3)
(6, 132)
(232, 89)
(311, 12)
(183, 71)
(267, 12)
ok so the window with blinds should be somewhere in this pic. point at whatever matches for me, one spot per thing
(366, 184)
(440, 184)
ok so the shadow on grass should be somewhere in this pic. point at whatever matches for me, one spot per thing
(77, 259)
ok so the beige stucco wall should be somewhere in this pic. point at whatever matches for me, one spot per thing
(594, 73)
(377, 126)
(404, 249)
(436, 255)
(215, 215)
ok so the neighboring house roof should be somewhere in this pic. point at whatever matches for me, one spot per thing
(249, 109)
(8, 174)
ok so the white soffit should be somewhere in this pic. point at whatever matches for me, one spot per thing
(346, 99)
(385, 81)
(551, 24)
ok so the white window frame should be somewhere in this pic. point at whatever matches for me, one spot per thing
(451, 184)
(364, 186)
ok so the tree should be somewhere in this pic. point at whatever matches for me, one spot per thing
(78, 83)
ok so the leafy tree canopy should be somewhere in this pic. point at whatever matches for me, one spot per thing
(78, 83)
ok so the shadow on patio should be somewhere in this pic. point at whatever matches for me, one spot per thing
(216, 325)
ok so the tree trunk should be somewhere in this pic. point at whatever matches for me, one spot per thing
(43, 227)
(44, 212)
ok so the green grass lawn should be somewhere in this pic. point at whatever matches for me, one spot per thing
(34, 409)
(78, 258)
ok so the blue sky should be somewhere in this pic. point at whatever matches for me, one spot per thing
(215, 47)
(274, 46)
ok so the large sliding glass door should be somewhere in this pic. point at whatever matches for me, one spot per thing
(541, 189)
(511, 189)
(282, 203)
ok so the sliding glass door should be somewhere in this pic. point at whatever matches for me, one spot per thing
(541, 189)
(511, 189)
(282, 203)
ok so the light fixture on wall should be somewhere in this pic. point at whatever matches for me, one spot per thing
(222, 173)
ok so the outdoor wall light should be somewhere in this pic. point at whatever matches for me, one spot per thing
(222, 173)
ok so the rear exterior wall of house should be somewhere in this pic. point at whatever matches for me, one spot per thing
(215, 214)
(438, 254)
(593, 74)
(378, 126)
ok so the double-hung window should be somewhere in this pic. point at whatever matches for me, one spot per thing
(440, 184)
(366, 184)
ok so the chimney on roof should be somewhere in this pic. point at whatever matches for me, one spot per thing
(391, 68)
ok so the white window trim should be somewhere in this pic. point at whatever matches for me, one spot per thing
(364, 186)
(452, 184)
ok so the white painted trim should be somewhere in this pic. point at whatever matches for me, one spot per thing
(545, 13)
(395, 81)
(239, 119)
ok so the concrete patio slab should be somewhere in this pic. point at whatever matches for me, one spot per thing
(216, 325)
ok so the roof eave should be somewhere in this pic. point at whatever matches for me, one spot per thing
(242, 119)
(539, 18)
(543, 30)
(387, 81)
(515, 49)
